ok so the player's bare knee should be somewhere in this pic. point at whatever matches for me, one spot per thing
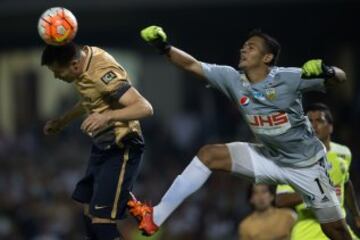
(206, 154)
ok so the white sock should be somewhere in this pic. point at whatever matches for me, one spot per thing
(189, 181)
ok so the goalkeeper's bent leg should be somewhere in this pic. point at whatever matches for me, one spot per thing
(210, 157)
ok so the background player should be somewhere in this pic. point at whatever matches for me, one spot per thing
(339, 158)
(266, 222)
(269, 98)
(112, 108)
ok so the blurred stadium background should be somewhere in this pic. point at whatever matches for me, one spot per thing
(38, 174)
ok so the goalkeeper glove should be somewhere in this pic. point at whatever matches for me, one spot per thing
(156, 37)
(317, 69)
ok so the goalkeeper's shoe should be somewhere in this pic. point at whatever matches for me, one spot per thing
(144, 214)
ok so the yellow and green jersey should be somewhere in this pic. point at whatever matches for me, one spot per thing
(307, 227)
(342, 151)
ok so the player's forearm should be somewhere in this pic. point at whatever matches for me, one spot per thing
(340, 76)
(288, 200)
(156, 37)
(77, 111)
(350, 199)
(185, 61)
(316, 68)
(136, 111)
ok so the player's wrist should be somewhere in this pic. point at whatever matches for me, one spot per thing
(61, 122)
(162, 46)
(109, 117)
(328, 71)
(65, 120)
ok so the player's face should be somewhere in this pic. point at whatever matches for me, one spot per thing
(322, 127)
(261, 197)
(65, 73)
(253, 54)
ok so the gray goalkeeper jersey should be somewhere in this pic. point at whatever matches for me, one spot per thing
(273, 110)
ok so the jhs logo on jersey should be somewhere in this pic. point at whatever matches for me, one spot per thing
(273, 124)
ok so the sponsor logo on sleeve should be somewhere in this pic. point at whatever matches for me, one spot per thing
(108, 77)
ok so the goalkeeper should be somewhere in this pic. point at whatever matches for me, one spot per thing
(269, 98)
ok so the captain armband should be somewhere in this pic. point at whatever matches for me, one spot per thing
(120, 91)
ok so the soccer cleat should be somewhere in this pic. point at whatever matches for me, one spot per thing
(147, 225)
(136, 208)
(144, 214)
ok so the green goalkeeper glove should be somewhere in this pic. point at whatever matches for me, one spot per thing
(156, 37)
(317, 69)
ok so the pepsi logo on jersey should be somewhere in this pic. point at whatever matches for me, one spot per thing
(244, 101)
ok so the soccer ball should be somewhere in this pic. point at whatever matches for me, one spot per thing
(57, 26)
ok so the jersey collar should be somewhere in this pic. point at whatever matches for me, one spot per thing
(268, 79)
(87, 62)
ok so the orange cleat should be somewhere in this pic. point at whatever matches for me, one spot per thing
(144, 214)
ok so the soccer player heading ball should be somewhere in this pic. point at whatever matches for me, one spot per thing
(112, 108)
(269, 99)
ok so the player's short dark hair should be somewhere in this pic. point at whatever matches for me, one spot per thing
(271, 44)
(271, 188)
(321, 107)
(61, 55)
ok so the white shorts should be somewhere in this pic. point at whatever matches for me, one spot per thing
(312, 182)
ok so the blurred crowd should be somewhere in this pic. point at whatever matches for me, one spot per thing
(38, 173)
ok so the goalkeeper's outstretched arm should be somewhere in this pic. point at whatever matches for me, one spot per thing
(157, 38)
(185, 61)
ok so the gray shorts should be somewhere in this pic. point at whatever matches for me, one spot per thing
(312, 182)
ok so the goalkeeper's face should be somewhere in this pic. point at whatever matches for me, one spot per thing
(253, 54)
(261, 197)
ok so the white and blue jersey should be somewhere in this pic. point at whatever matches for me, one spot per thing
(273, 110)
